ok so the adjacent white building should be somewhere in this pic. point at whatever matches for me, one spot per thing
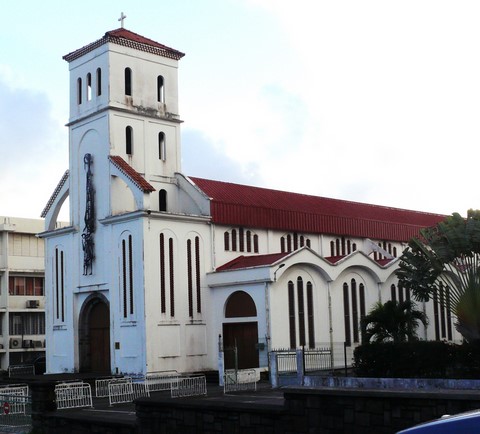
(156, 268)
(22, 298)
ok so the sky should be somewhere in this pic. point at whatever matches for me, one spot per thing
(361, 100)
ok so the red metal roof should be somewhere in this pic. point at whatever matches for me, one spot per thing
(127, 39)
(252, 261)
(129, 171)
(247, 206)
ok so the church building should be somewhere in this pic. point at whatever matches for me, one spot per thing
(158, 270)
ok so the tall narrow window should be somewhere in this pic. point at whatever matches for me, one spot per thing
(127, 276)
(354, 310)
(59, 285)
(346, 312)
(189, 278)
(241, 239)
(79, 91)
(311, 325)
(301, 311)
(89, 87)
(161, 146)
(129, 140)
(226, 240)
(172, 277)
(99, 81)
(282, 245)
(163, 307)
(197, 274)
(162, 197)
(291, 314)
(128, 81)
(234, 240)
(249, 241)
(255, 243)
(160, 89)
(332, 248)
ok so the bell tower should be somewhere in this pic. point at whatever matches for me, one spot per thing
(123, 103)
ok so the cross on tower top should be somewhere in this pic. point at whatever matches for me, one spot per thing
(121, 19)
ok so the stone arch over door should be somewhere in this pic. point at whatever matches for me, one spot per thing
(241, 333)
(94, 335)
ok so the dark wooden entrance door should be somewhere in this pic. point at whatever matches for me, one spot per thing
(99, 338)
(245, 335)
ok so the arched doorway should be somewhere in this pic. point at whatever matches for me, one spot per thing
(242, 335)
(94, 336)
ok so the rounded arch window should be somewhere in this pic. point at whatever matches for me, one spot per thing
(240, 304)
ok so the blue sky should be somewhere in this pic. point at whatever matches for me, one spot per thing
(370, 101)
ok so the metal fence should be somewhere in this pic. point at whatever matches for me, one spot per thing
(73, 395)
(126, 391)
(15, 413)
(19, 370)
(161, 380)
(189, 386)
(240, 380)
(101, 384)
(314, 359)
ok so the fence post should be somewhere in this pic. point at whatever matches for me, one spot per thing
(300, 367)
(272, 357)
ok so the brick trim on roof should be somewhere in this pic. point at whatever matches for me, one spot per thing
(242, 262)
(129, 39)
(131, 173)
(54, 195)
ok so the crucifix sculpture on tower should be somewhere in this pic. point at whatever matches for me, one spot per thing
(121, 19)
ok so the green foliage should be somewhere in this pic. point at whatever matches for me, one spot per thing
(417, 359)
(392, 321)
(445, 265)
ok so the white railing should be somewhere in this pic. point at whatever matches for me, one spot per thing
(162, 380)
(240, 380)
(126, 391)
(73, 394)
(16, 370)
(15, 398)
(101, 385)
(15, 414)
(189, 386)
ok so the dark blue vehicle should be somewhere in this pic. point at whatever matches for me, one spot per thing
(468, 422)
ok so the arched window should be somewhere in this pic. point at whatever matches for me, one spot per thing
(129, 140)
(162, 198)
(226, 240)
(99, 81)
(128, 81)
(240, 304)
(291, 315)
(234, 240)
(255, 243)
(161, 146)
(332, 248)
(311, 324)
(160, 89)
(79, 91)
(167, 274)
(301, 310)
(89, 87)
(241, 239)
(249, 241)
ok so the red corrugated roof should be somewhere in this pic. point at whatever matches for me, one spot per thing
(128, 39)
(129, 171)
(252, 261)
(247, 206)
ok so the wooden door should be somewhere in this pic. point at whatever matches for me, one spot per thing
(99, 338)
(245, 336)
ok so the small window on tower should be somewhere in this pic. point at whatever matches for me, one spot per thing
(161, 146)
(79, 91)
(129, 140)
(99, 81)
(160, 89)
(128, 81)
(162, 196)
(89, 87)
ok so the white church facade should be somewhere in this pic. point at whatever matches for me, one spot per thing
(157, 268)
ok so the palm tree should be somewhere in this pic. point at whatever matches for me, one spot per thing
(445, 264)
(392, 321)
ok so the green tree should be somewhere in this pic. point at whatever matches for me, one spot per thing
(444, 264)
(392, 321)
